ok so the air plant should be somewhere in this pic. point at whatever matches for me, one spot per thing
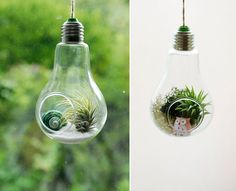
(186, 103)
(82, 115)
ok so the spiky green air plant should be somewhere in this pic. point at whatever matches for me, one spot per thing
(190, 105)
(85, 115)
(82, 116)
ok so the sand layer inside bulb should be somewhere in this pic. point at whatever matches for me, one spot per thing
(69, 134)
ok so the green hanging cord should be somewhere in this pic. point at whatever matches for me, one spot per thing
(184, 37)
(184, 28)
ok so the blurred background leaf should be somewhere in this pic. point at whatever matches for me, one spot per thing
(29, 32)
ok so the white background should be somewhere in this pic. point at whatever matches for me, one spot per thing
(206, 161)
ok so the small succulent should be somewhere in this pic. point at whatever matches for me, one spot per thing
(190, 105)
(83, 116)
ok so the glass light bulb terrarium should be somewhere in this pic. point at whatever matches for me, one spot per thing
(181, 104)
(71, 108)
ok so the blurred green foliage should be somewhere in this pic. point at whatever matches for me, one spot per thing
(29, 32)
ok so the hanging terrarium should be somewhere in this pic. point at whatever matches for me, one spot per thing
(182, 105)
(71, 108)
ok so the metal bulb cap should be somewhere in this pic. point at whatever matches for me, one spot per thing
(72, 31)
(184, 39)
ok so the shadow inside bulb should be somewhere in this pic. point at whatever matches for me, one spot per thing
(65, 119)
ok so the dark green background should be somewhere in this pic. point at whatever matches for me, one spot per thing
(29, 32)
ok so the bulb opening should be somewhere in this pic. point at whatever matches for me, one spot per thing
(52, 111)
(192, 122)
(182, 111)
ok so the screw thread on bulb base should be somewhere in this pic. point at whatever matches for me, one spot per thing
(72, 31)
(184, 39)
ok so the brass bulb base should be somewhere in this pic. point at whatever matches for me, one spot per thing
(184, 40)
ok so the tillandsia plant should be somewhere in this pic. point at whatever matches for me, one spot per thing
(180, 104)
(82, 116)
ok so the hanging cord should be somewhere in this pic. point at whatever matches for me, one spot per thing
(72, 13)
(183, 12)
(184, 38)
(72, 31)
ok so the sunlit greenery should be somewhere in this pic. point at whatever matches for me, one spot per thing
(29, 161)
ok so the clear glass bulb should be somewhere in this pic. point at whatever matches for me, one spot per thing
(71, 108)
(181, 104)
